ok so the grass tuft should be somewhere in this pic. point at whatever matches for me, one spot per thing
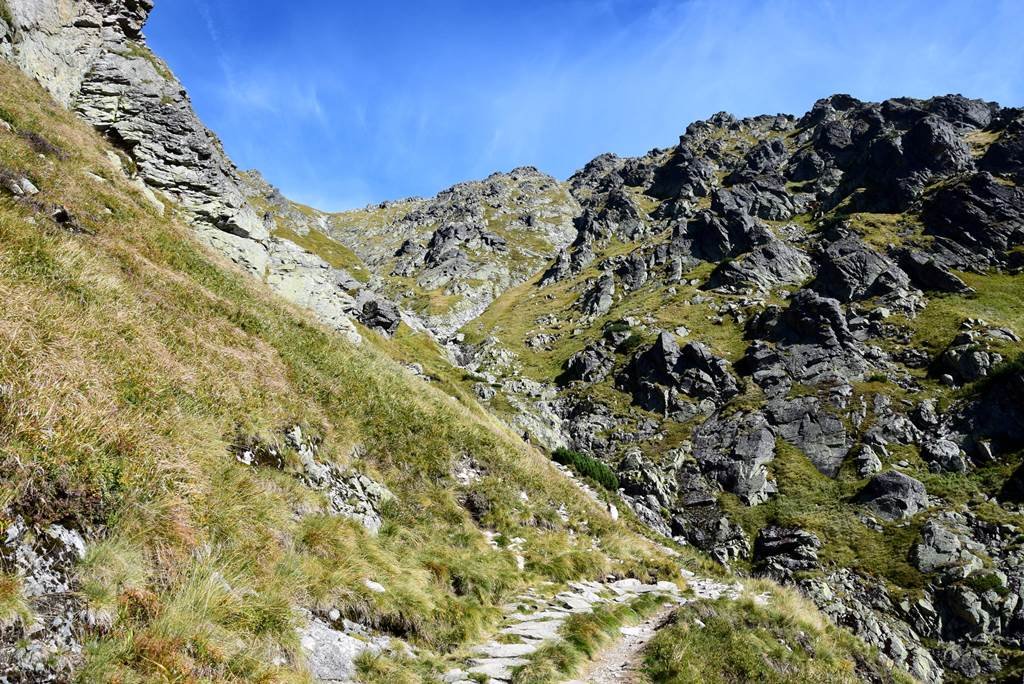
(14, 609)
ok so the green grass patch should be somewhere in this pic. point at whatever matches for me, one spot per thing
(142, 52)
(13, 607)
(331, 251)
(998, 300)
(743, 641)
(810, 500)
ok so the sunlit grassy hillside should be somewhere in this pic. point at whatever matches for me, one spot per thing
(132, 361)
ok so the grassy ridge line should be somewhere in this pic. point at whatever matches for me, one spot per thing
(131, 360)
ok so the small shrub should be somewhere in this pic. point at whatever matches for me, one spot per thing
(987, 582)
(587, 466)
(617, 326)
(632, 343)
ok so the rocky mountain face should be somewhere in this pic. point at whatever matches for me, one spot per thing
(448, 258)
(91, 56)
(796, 340)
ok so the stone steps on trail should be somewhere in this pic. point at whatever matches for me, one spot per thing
(533, 620)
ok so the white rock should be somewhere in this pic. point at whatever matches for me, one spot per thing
(497, 668)
(540, 629)
(331, 654)
(493, 649)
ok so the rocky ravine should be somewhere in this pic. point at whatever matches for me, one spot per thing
(789, 336)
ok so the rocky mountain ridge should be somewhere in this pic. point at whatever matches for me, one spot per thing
(811, 263)
(829, 272)
(792, 338)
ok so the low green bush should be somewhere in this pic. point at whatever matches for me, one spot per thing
(587, 466)
(632, 343)
(987, 582)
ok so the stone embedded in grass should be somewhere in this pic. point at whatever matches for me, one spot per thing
(17, 184)
(779, 552)
(535, 629)
(866, 461)
(493, 649)
(944, 455)
(497, 668)
(893, 495)
(331, 654)
(47, 644)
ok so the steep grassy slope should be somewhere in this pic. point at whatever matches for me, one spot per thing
(132, 362)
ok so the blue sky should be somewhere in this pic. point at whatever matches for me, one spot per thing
(341, 103)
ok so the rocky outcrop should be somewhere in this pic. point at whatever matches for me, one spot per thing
(660, 376)
(765, 267)
(376, 312)
(980, 215)
(811, 425)
(893, 495)
(599, 297)
(590, 365)
(466, 246)
(865, 607)
(57, 43)
(971, 354)
(850, 270)
(780, 552)
(735, 451)
(43, 641)
(346, 492)
(92, 57)
(928, 274)
(332, 653)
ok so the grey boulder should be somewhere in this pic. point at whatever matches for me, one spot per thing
(893, 495)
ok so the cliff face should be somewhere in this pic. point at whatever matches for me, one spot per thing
(92, 57)
(57, 42)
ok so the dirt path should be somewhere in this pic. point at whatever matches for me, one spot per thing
(621, 662)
